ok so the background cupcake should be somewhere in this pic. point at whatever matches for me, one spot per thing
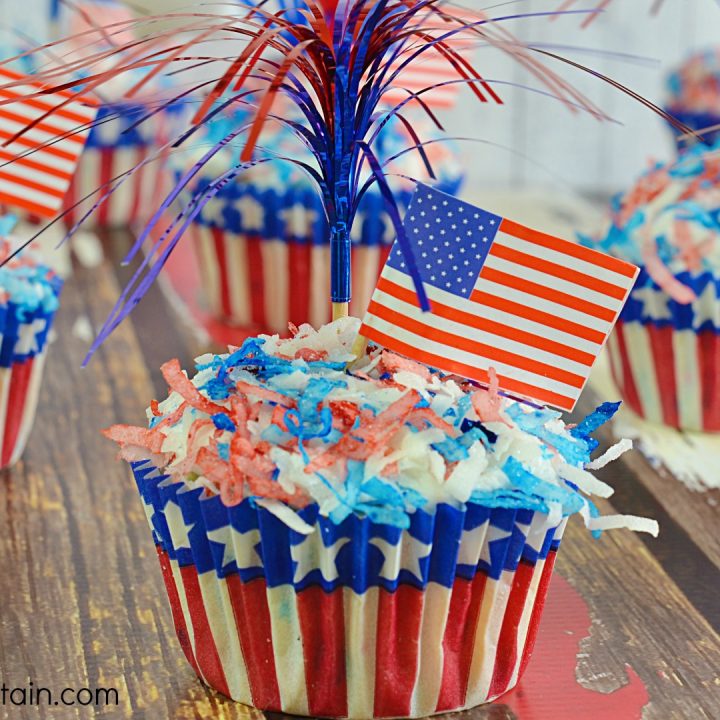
(372, 543)
(665, 350)
(694, 95)
(29, 293)
(263, 242)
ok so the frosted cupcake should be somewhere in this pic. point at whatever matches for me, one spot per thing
(29, 293)
(665, 350)
(126, 133)
(367, 543)
(263, 243)
(693, 91)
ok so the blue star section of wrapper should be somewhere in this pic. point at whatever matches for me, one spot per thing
(535, 307)
(206, 533)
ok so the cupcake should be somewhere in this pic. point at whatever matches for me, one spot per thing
(117, 143)
(665, 350)
(693, 96)
(29, 292)
(263, 243)
(371, 542)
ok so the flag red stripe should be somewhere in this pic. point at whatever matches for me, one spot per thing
(476, 348)
(538, 316)
(537, 610)
(664, 354)
(19, 383)
(507, 658)
(397, 649)
(708, 350)
(495, 328)
(27, 161)
(224, 271)
(206, 652)
(24, 182)
(550, 268)
(178, 617)
(468, 371)
(39, 147)
(257, 284)
(322, 626)
(568, 248)
(27, 80)
(45, 107)
(299, 273)
(459, 641)
(252, 617)
(19, 201)
(546, 293)
(47, 127)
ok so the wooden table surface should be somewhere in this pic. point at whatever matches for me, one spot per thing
(631, 628)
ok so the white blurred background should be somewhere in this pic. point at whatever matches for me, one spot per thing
(533, 142)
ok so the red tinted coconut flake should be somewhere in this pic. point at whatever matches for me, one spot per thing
(362, 442)
(487, 403)
(310, 355)
(419, 416)
(393, 363)
(173, 417)
(155, 408)
(128, 435)
(264, 393)
(187, 464)
(178, 381)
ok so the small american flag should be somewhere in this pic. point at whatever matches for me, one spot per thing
(36, 169)
(535, 308)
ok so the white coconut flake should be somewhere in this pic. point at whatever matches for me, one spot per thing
(629, 522)
(612, 453)
(587, 482)
(286, 514)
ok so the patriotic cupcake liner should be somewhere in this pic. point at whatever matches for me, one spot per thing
(665, 356)
(22, 358)
(113, 147)
(696, 121)
(265, 259)
(357, 620)
(265, 284)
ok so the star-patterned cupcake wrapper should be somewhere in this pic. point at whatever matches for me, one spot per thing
(266, 284)
(352, 620)
(665, 357)
(293, 212)
(116, 145)
(22, 358)
(698, 122)
(649, 304)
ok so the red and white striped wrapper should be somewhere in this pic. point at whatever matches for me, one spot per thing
(668, 376)
(133, 201)
(409, 652)
(19, 391)
(250, 281)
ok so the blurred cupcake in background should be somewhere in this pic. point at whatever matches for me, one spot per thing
(665, 350)
(263, 244)
(119, 140)
(693, 91)
(29, 292)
